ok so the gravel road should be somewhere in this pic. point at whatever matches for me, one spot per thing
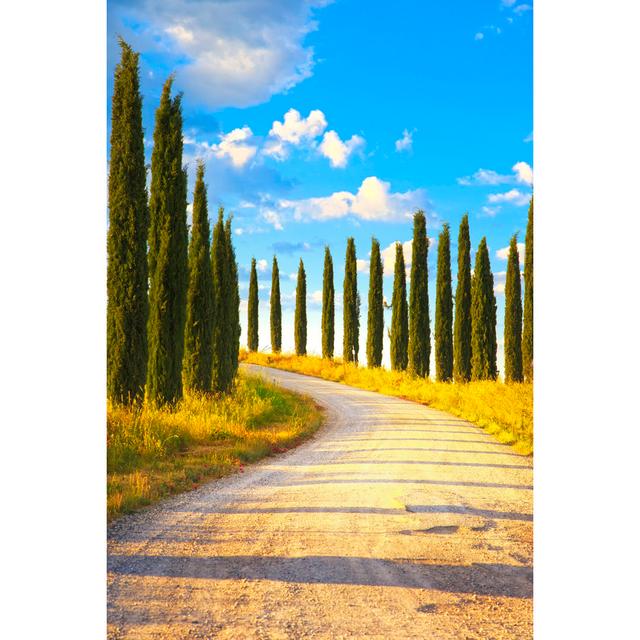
(394, 521)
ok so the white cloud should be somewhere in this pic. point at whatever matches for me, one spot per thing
(479, 36)
(374, 200)
(273, 218)
(238, 231)
(362, 265)
(524, 173)
(521, 8)
(388, 255)
(490, 212)
(529, 138)
(294, 130)
(336, 150)
(485, 177)
(226, 53)
(235, 146)
(316, 296)
(406, 142)
(262, 265)
(499, 288)
(514, 196)
(503, 253)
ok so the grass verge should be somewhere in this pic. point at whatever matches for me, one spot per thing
(504, 410)
(153, 453)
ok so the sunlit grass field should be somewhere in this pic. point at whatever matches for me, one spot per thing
(152, 453)
(505, 410)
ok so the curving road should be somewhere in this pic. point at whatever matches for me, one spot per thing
(394, 521)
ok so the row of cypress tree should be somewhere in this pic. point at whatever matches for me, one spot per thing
(172, 303)
(465, 332)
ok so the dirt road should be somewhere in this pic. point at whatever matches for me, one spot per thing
(395, 521)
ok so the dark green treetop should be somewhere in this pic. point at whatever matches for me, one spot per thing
(328, 306)
(527, 331)
(444, 310)
(375, 314)
(300, 316)
(419, 329)
(351, 305)
(462, 329)
(399, 333)
(275, 309)
(252, 312)
(513, 316)
(483, 318)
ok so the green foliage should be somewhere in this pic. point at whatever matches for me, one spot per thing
(300, 318)
(399, 333)
(375, 317)
(513, 317)
(527, 332)
(233, 304)
(328, 306)
(168, 240)
(198, 334)
(252, 313)
(127, 302)
(275, 309)
(444, 310)
(351, 306)
(419, 330)
(483, 318)
(462, 329)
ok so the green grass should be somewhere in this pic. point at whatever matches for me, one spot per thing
(153, 453)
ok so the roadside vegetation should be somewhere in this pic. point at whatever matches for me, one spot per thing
(505, 410)
(153, 452)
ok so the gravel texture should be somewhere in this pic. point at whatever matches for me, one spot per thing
(394, 521)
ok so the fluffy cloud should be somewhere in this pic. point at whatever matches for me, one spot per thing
(338, 151)
(362, 265)
(273, 218)
(479, 36)
(388, 255)
(374, 200)
(262, 265)
(490, 212)
(503, 253)
(235, 145)
(485, 177)
(293, 131)
(226, 53)
(514, 196)
(406, 142)
(524, 173)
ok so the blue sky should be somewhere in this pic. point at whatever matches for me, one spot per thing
(323, 120)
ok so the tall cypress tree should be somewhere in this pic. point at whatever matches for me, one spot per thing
(300, 316)
(232, 328)
(444, 310)
(328, 306)
(275, 309)
(419, 330)
(351, 305)
(127, 302)
(462, 330)
(483, 318)
(375, 315)
(168, 241)
(399, 333)
(222, 322)
(198, 333)
(252, 313)
(527, 331)
(513, 316)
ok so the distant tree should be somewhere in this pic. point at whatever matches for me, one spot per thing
(328, 306)
(399, 333)
(168, 239)
(444, 310)
(127, 301)
(375, 320)
(252, 313)
(483, 318)
(198, 337)
(419, 330)
(276, 309)
(513, 316)
(300, 319)
(351, 306)
(527, 332)
(232, 328)
(462, 330)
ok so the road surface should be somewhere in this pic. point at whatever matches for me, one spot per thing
(394, 521)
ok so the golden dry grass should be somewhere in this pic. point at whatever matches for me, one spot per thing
(505, 410)
(152, 453)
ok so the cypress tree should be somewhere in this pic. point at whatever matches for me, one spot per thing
(444, 310)
(351, 306)
(527, 331)
(419, 330)
(275, 309)
(462, 330)
(232, 327)
(168, 241)
(127, 302)
(483, 318)
(328, 306)
(375, 319)
(300, 317)
(252, 313)
(220, 365)
(399, 333)
(513, 317)
(198, 333)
